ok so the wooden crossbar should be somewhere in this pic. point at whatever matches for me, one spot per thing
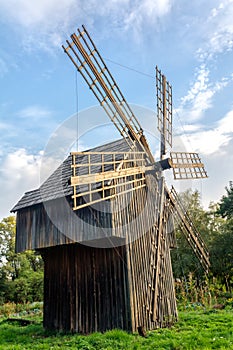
(101, 185)
(187, 166)
(108, 175)
(189, 230)
(86, 58)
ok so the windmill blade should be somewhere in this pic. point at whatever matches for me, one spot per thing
(187, 166)
(100, 176)
(86, 58)
(164, 111)
(188, 229)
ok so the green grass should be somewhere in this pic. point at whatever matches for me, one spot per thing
(195, 330)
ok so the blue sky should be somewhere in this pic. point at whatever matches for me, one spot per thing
(191, 42)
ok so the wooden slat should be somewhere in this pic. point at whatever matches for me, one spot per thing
(188, 228)
(159, 252)
(86, 58)
(108, 175)
(187, 165)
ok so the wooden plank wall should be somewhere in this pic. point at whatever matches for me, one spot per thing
(35, 229)
(149, 235)
(86, 289)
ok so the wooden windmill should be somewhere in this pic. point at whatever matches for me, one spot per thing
(85, 56)
(117, 200)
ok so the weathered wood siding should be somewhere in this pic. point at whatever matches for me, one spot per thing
(54, 223)
(86, 289)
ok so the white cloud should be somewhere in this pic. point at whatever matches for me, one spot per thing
(208, 141)
(200, 95)
(147, 10)
(36, 13)
(19, 173)
(34, 112)
(218, 31)
(200, 85)
(190, 128)
(215, 146)
(225, 125)
(19, 163)
(214, 140)
(44, 24)
(219, 169)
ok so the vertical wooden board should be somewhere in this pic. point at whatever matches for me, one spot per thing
(102, 294)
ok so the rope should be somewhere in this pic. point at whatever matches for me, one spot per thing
(130, 68)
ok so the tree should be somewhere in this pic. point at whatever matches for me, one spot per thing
(216, 228)
(226, 203)
(184, 260)
(21, 275)
(222, 245)
(221, 254)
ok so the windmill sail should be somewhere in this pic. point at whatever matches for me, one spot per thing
(188, 228)
(86, 58)
(164, 111)
(187, 166)
(184, 165)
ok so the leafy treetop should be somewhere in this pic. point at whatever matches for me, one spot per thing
(226, 203)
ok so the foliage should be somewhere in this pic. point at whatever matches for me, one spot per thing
(226, 203)
(183, 258)
(217, 233)
(21, 275)
(222, 255)
(20, 310)
(200, 329)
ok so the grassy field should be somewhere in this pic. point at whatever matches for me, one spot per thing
(198, 329)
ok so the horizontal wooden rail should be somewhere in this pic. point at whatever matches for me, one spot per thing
(95, 174)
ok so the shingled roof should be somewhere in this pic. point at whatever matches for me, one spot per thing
(58, 183)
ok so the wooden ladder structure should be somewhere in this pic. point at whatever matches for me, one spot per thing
(188, 228)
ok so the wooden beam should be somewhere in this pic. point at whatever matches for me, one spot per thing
(108, 175)
(187, 165)
(188, 228)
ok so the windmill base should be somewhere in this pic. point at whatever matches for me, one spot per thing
(89, 289)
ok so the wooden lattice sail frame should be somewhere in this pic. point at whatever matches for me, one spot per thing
(164, 111)
(187, 166)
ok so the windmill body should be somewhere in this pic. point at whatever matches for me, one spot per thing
(107, 254)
